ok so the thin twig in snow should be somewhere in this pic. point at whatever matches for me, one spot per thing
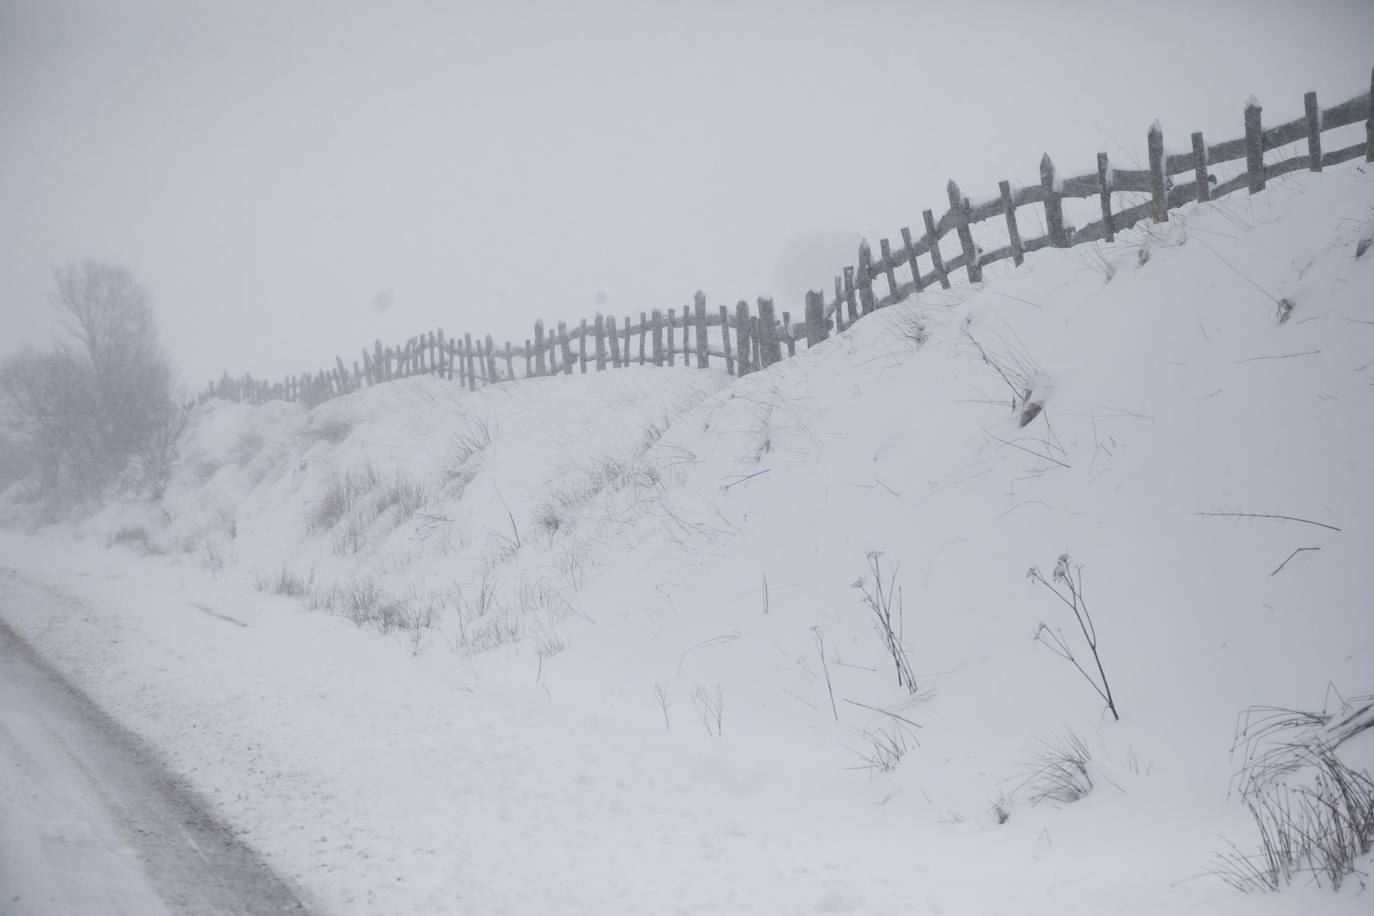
(1280, 518)
(1291, 556)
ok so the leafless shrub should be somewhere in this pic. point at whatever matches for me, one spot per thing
(710, 706)
(1067, 586)
(1059, 773)
(884, 600)
(100, 403)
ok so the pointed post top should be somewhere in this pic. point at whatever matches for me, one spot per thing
(864, 250)
(1155, 128)
(953, 188)
(700, 296)
(1252, 102)
(1046, 165)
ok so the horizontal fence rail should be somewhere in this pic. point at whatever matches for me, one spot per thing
(746, 341)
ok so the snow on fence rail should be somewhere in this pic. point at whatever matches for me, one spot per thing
(748, 341)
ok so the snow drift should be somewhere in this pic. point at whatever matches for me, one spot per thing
(600, 643)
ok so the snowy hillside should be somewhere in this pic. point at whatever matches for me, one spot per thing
(599, 644)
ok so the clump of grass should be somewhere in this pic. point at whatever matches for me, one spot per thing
(885, 746)
(205, 470)
(135, 537)
(211, 558)
(1313, 812)
(333, 431)
(341, 494)
(1059, 773)
(284, 581)
(247, 448)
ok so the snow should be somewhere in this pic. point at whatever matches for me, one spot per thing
(648, 527)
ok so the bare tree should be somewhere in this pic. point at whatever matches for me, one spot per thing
(99, 403)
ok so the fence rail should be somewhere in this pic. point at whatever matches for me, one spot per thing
(748, 341)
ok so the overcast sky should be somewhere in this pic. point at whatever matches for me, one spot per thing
(291, 180)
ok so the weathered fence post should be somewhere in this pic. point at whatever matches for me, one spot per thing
(613, 338)
(539, 346)
(816, 330)
(725, 340)
(1054, 206)
(865, 277)
(1104, 196)
(468, 362)
(600, 343)
(933, 243)
(1013, 231)
(1200, 174)
(672, 325)
(851, 301)
(1369, 123)
(1314, 131)
(1159, 188)
(452, 357)
(582, 348)
(769, 350)
(839, 305)
(703, 340)
(686, 337)
(788, 337)
(742, 336)
(911, 259)
(958, 207)
(643, 334)
(566, 343)
(491, 360)
(889, 269)
(378, 366)
(626, 349)
(658, 337)
(1254, 145)
(343, 373)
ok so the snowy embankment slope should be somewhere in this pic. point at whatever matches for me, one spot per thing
(556, 581)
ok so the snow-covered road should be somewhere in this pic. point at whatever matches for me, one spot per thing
(91, 824)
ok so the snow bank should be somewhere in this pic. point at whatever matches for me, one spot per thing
(554, 646)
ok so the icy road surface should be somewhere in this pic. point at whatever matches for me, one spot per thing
(91, 824)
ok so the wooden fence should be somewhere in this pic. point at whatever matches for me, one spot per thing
(746, 341)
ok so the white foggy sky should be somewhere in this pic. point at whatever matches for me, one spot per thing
(268, 170)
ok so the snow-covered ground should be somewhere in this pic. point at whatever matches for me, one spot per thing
(557, 583)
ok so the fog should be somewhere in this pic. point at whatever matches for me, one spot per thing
(293, 180)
